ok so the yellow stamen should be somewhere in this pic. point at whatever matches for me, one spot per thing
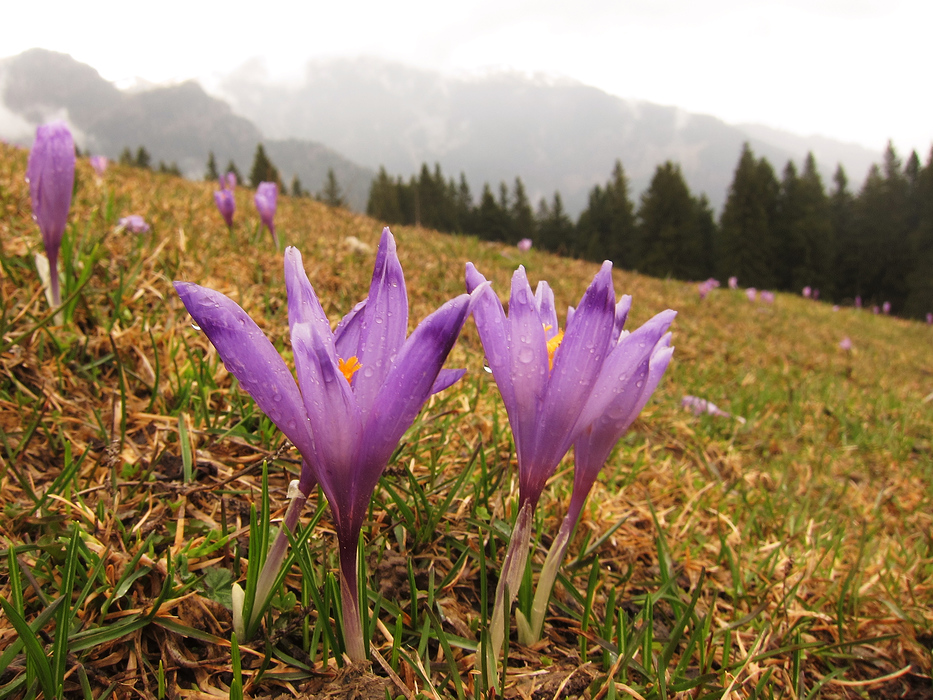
(552, 344)
(349, 367)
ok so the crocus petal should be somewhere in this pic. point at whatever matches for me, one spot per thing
(447, 378)
(622, 363)
(384, 324)
(347, 332)
(528, 364)
(412, 377)
(494, 333)
(251, 358)
(622, 309)
(331, 408)
(576, 367)
(544, 298)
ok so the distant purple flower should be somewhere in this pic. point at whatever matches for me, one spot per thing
(816, 294)
(733, 282)
(51, 175)
(226, 205)
(766, 296)
(134, 223)
(705, 287)
(875, 309)
(846, 344)
(266, 196)
(228, 182)
(361, 387)
(524, 245)
(886, 308)
(807, 292)
(858, 302)
(835, 307)
(99, 163)
(751, 293)
(698, 407)
(930, 319)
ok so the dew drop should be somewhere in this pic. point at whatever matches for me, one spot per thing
(525, 355)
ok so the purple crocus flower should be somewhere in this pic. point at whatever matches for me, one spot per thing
(807, 292)
(548, 380)
(733, 282)
(99, 163)
(266, 195)
(930, 319)
(524, 245)
(228, 182)
(767, 297)
(858, 302)
(751, 293)
(51, 176)
(846, 344)
(361, 387)
(226, 205)
(134, 223)
(886, 308)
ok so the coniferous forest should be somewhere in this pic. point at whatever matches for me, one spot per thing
(779, 231)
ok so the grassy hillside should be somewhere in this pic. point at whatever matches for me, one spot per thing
(789, 555)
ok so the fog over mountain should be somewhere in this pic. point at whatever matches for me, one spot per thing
(554, 134)
(176, 123)
(357, 115)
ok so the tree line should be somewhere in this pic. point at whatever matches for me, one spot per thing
(780, 233)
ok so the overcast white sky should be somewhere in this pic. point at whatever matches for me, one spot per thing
(855, 70)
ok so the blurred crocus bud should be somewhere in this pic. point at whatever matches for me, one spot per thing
(930, 319)
(733, 282)
(51, 177)
(751, 293)
(230, 181)
(767, 297)
(846, 344)
(134, 223)
(524, 245)
(807, 292)
(266, 198)
(99, 163)
(886, 308)
(858, 302)
(226, 205)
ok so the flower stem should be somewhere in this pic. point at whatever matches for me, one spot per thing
(510, 578)
(555, 557)
(349, 597)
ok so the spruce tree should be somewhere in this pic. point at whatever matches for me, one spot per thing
(555, 229)
(746, 243)
(845, 255)
(231, 168)
(669, 240)
(263, 170)
(143, 159)
(296, 189)
(919, 300)
(383, 203)
(332, 194)
(211, 174)
(522, 215)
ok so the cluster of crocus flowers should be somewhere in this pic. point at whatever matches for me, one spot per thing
(266, 196)
(360, 387)
(524, 245)
(582, 386)
(51, 175)
(223, 198)
(705, 287)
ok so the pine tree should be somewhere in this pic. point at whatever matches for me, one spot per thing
(845, 257)
(211, 174)
(669, 241)
(919, 300)
(606, 228)
(126, 156)
(492, 220)
(143, 159)
(296, 189)
(746, 244)
(522, 215)
(332, 194)
(555, 229)
(383, 203)
(263, 170)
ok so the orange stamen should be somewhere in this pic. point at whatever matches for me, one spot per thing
(552, 344)
(349, 367)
